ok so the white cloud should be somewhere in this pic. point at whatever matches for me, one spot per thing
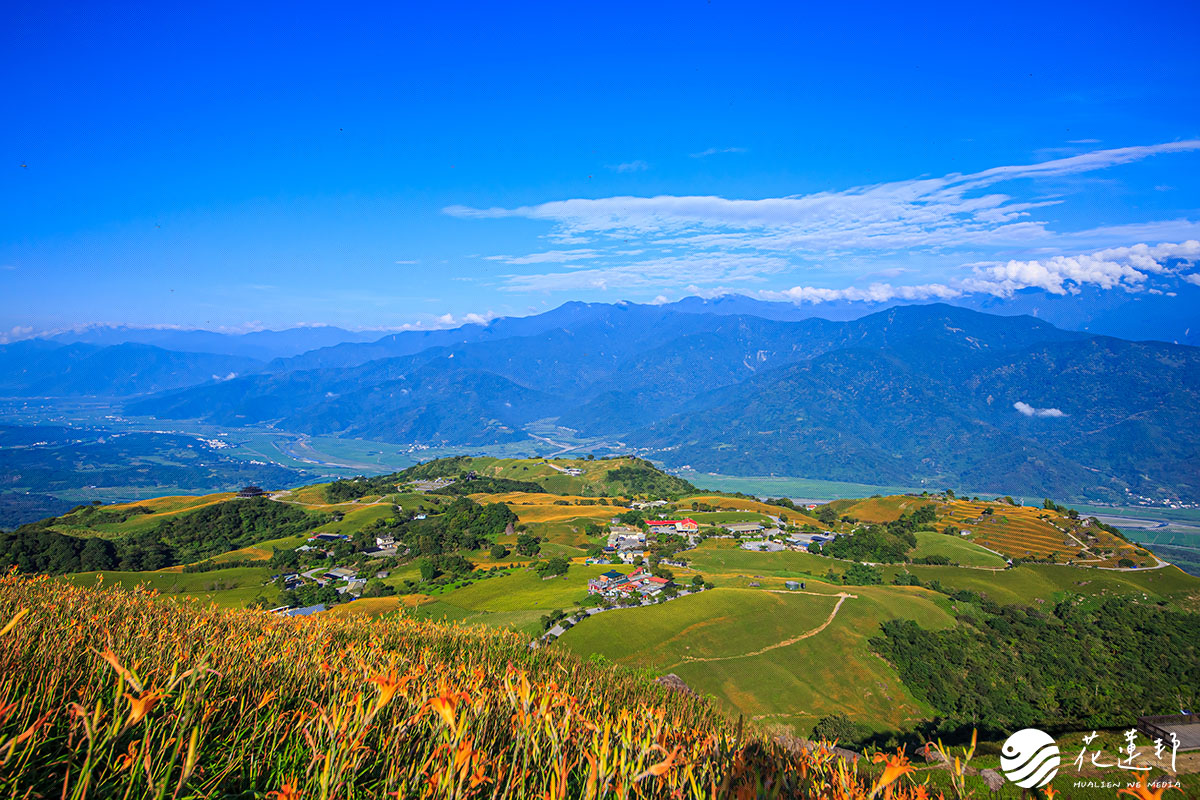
(1129, 268)
(656, 272)
(407, 261)
(926, 213)
(956, 234)
(16, 333)
(1125, 267)
(630, 166)
(548, 257)
(1029, 411)
(713, 151)
(874, 293)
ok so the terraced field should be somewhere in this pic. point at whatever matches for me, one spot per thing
(1028, 532)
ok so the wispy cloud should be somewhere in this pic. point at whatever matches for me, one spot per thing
(714, 151)
(548, 257)
(929, 212)
(407, 261)
(977, 237)
(656, 272)
(630, 166)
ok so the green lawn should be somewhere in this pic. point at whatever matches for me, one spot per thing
(518, 599)
(227, 588)
(1028, 583)
(958, 550)
(791, 686)
(719, 517)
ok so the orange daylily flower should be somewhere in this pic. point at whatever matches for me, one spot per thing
(388, 686)
(897, 767)
(446, 706)
(286, 792)
(266, 698)
(141, 706)
(661, 767)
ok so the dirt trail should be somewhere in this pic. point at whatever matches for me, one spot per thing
(841, 596)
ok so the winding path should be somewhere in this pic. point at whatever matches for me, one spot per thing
(841, 596)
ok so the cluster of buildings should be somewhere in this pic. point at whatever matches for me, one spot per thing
(687, 527)
(772, 542)
(625, 543)
(613, 584)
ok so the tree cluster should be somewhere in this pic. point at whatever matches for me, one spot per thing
(1079, 666)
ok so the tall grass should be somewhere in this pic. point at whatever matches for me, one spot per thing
(112, 693)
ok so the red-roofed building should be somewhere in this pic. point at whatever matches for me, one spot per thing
(679, 525)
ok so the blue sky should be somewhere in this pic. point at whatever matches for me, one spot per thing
(381, 166)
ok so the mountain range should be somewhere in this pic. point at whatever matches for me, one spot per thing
(933, 393)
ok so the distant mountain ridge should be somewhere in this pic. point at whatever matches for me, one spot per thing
(259, 345)
(913, 393)
(37, 368)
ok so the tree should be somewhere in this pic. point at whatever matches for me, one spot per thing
(97, 555)
(827, 515)
(835, 728)
(428, 569)
(528, 544)
(554, 566)
(498, 551)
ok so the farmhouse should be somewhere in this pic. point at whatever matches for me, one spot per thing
(328, 537)
(762, 546)
(340, 574)
(677, 525)
(650, 504)
(386, 540)
(613, 583)
(605, 582)
(742, 527)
